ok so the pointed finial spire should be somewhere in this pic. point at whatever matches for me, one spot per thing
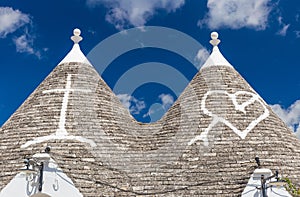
(214, 39)
(216, 58)
(76, 38)
(75, 55)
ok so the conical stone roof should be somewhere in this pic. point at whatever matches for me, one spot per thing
(204, 145)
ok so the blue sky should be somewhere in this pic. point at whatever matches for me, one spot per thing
(260, 38)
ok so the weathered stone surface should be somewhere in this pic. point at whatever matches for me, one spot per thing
(157, 159)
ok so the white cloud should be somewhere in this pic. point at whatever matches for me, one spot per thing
(134, 105)
(149, 113)
(236, 14)
(297, 17)
(24, 44)
(11, 20)
(157, 110)
(167, 101)
(284, 27)
(202, 56)
(297, 34)
(125, 100)
(291, 116)
(134, 12)
(283, 30)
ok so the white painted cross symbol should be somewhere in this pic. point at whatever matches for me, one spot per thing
(61, 133)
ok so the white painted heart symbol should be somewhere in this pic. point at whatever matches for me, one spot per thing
(240, 107)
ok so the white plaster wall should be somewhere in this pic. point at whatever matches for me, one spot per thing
(55, 183)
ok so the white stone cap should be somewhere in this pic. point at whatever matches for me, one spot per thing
(76, 55)
(216, 58)
(42, 157)
(55, 182)
(274, 188)
(262, 171)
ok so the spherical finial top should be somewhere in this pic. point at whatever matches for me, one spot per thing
(214, 35)
(76, 38)
(76, 32)
(214, 39)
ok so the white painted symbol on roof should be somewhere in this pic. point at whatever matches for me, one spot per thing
(240, 107)
(61, 133)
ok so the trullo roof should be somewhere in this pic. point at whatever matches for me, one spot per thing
(205, 145)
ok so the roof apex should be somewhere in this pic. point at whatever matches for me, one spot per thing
(75, 55)
(216, 58)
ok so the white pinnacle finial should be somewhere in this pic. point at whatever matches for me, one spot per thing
(214, 39)
(76, 38)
